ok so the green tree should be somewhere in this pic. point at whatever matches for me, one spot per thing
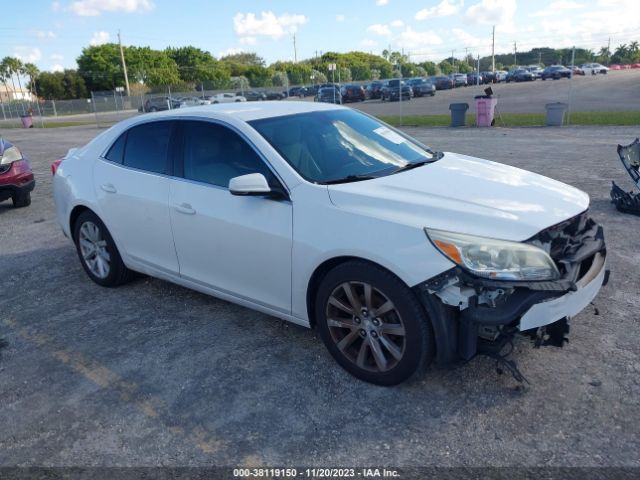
(195, 65)
(50, 85)
(245, 58)
(32, 72)
(279, 79)
(445, 67)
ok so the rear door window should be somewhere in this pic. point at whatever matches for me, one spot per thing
(147, 146)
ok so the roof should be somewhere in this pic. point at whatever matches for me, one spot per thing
(247, 111)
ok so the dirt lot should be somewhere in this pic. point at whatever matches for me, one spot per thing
(153, 374)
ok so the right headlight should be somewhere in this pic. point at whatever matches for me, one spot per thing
(494, 259)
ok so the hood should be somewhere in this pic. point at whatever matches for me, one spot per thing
(465, 195)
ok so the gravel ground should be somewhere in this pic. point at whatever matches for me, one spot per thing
(154, 374)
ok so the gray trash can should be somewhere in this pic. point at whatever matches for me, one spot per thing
(555, 113)
(458, 112)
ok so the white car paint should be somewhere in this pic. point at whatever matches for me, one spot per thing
(227, 98)
(266, 251)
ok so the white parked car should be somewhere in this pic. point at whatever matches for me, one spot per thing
(594, 68)
(326, 217)
(226, 98)
(193, 102)
(501, 75)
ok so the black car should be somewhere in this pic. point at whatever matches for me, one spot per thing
(555, 72)
(352, 93)
(395, 90)
(156, 104)
(328, 95)
(442, 82)
(252, 95)
(475, 78)
(297, 91)
(422, 87)
(489, 77)
(311, 91)
(520, 75)
(374, 89)
(275, 95)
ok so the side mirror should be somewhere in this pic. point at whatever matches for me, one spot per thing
(252, 184)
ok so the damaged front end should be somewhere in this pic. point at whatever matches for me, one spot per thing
(479, 314)
(628, 202)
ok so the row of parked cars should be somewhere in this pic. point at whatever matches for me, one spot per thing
(520, 74)
(391, 90)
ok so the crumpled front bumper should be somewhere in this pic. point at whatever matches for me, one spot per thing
(483, 309)
(570, 304)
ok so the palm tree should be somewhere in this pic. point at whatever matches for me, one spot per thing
(8, 66)
(32, 72)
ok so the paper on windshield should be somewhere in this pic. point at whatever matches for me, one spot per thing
(390, 135)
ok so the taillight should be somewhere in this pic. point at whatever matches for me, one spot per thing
(54, 166)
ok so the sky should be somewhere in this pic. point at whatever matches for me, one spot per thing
(53, 33)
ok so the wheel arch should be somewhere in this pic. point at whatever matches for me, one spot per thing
(324, 268)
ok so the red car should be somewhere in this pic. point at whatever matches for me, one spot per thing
(16, 178)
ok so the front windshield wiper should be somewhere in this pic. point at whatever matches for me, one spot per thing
(349, 178)
(412, 165)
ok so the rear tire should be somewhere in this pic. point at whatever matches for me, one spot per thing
(372, 323)
(21, 200)
(98, 253)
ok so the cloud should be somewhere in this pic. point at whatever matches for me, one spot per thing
(397, 24)
(340, 18)
(379, 29)
(267, 25)
(93, 8)
(444, 9)
(382, 3)
(368, 43)
(55, 6)
(45, 34)
(27, 54)
(56, 67)
(99, 38)
(248, 40)
(493, 12)
(56, 57)
(410, 38)
(555, 8)
(469, 40)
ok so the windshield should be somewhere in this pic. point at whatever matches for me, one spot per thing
(336, 145)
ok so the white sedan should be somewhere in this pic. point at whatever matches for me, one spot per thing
(326, 217)
(226, 98)
(594, 68)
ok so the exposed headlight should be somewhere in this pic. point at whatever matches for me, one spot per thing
(494, 259)
(10, 155)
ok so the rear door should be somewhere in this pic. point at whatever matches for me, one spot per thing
(132, 188)
(238, 245)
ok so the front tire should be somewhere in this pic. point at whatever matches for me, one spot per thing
(98, 253)
(372, 323)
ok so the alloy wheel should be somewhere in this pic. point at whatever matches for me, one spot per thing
(365, 326)
(93, 248)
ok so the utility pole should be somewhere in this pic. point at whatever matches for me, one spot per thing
(539, 57)
(515, 59)
(493, 49)
(453, 60)
(608, 50)
(124, 66)
(295, 50)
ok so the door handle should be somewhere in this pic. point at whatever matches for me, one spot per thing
(109, 188)
(185, 208)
